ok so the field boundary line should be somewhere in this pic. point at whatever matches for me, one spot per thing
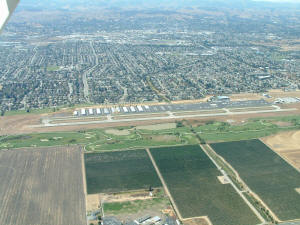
(199, 217)
(136, 148)
(281, 156)
(36, 147)
(254, 210)
(164, 184)
(84, 180)
(257, 197)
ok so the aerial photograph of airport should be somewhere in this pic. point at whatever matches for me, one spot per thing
(149, 112)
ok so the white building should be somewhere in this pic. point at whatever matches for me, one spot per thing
(98, 111)
(140, 108)
(132, 109)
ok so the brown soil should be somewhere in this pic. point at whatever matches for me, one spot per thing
(164, 138)
(293, 157)
(283, 142)
(282, 124)
(275, 93)
(162, 126)
(117, 132)
(17, 124)
(92, 202)
(126, 197)
(245, 96)
(223, 180)
(287, 145)
(196, 221)
(192, 101)
(78, 120)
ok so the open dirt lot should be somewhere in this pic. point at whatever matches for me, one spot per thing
(125, 196)
(196, 221)
(41, 186)
(245, 96)
(281, 94)
(19, 123)
(161, 126)
(117, 132)
(286, 144)
(285, 141)
(92, 202)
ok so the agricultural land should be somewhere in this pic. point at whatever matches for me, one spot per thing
(287, 145)
(128, 206)
(42, 186)
(266, 174)
(119, 171)
(192, 180)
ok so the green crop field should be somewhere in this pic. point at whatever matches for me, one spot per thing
(119, 171)
(267, 174)
(192, 180)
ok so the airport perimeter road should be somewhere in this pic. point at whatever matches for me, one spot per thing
(46, 123)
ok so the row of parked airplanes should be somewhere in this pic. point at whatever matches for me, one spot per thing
(101, 111)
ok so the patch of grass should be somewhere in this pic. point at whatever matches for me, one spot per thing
(52, 68)
(31, 111)
(42, 140)
(192, 180)
(220, 131)
(119, 171)
(130, 207)
(141, 139)
(266, 173)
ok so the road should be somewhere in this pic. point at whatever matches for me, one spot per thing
(47, 122)
(235, 187)
(164, 184)
(84, 75)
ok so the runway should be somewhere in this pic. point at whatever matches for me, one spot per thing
(47, 122)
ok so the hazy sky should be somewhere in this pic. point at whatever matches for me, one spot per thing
(293, 1)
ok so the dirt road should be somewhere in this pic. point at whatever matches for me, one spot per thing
(164, 184)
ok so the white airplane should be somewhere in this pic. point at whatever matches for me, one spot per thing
(7, 7)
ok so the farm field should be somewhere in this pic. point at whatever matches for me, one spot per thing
(41, 186)
(192, 180)
(119, 171)
(266, 173)
(287, 145)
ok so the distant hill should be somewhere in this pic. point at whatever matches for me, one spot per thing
(144, 4)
